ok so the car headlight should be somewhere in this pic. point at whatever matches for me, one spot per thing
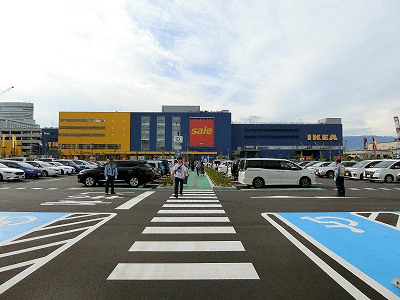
(378, 171)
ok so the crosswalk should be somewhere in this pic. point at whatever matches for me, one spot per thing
(195, 213)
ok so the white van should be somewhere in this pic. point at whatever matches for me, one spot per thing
(258, 172)
(385, 171)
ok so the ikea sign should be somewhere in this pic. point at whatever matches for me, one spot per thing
(322, 137)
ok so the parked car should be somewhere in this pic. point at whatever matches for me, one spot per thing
(158, 167)
(215, 164)
(132, 172)
(258, 172)
(313, 167)
(224, 165)
(357, 171)
(30, 171)
(309, 163)
(69, 162)
(83, 164)
(329, 170)
(46, 168)
(65, 170)
(8, 174)
(385, 171)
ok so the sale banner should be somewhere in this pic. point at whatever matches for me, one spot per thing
(201, 133)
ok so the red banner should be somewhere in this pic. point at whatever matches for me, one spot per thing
(201, 133)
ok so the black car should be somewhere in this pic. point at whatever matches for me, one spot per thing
(132, 172)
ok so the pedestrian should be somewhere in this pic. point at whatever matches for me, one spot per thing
(110, 173)
(339, 178)
(179, 172)
(201, 168)
(197, 167)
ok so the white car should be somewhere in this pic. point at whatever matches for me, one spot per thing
(357, 171)
(224, 165)
(313, 167)
(385, 171)
(9, 174)
(46, 168)
(64, 169)
(259, 172)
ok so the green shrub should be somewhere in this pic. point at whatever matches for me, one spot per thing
(218, 178)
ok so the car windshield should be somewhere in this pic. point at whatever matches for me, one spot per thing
(24, 164)
(3, 166)
(332, 164)
(361, 164)
(45, 164)
(384, 164)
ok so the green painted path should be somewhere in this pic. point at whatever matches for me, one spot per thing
(197, 182)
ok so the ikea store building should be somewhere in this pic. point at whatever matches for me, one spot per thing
(191, 132)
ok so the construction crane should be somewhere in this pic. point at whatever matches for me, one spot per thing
(397, 124)
(5, 91)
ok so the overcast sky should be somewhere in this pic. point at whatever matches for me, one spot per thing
(265, 61)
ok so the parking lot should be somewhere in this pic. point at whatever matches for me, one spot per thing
(63, 240)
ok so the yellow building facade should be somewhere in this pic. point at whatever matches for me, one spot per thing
(84, 134)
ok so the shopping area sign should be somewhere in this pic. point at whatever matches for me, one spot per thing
(201, 133)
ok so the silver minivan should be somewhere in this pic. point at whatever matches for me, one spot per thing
(258, 172)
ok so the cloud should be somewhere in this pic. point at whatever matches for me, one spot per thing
(270, 61)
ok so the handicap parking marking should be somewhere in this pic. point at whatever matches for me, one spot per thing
(367, 248)
(13, 224)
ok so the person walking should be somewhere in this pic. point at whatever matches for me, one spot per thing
(110, 173)
(201, 168)
(339, 178)
(179, 172)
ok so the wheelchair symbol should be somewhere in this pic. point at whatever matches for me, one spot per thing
(334, 224)
(14, 221)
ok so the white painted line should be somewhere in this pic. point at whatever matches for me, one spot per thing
(20, 188)
(129, 204)
(190, 219)
(192, 201)
(385, 189)
(5, 188)
(192, 205)
(42, 261)
(183, 271)
(354, 189)
(351, 289)
(192, 211)
(369, 189)
(44, 246)
(185, 196)
(299, 197)
(37, 188)
(51, 189)
(186, 246)
(190, 230)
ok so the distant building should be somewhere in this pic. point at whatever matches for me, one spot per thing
(16, 121)
(191, 132)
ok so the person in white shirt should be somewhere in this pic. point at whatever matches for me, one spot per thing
(179, 172)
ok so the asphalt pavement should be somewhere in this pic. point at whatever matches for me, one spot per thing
(61, 240)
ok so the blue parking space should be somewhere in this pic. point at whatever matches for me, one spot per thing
(367, 243)
(14, 224)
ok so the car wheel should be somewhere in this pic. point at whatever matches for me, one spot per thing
(330, 174)
(62, 172)
(69, 173)
(361, 176)
(305, 182)
(389, 178)
(133, 182)
(45, 174)
(89, 181)
(258, 183)
(1, 177)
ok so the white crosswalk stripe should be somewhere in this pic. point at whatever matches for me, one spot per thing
(193, 204)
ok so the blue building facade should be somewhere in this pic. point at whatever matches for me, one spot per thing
(322, 140)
